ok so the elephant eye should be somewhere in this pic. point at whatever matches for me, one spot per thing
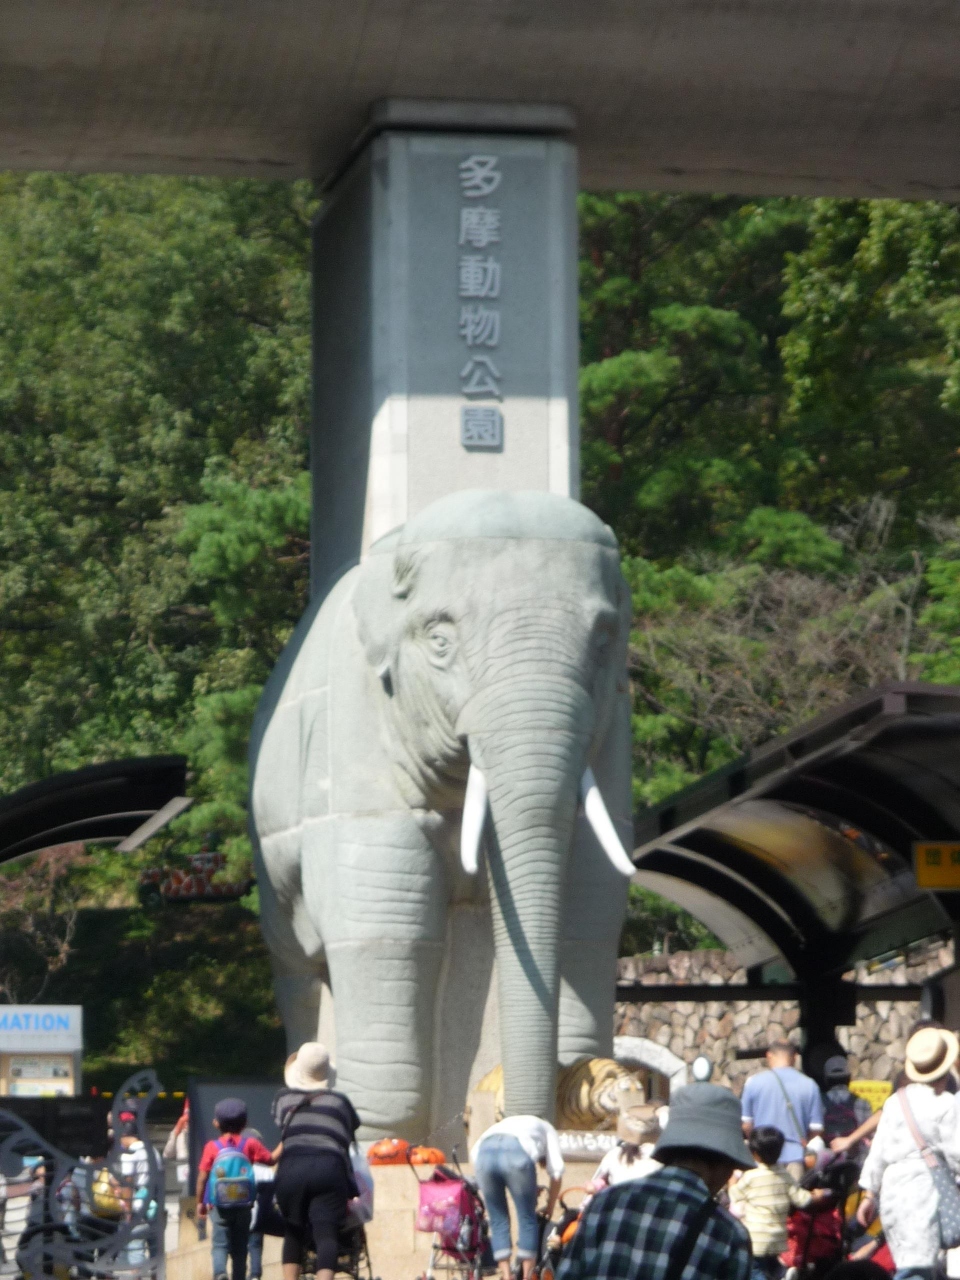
(440, 639)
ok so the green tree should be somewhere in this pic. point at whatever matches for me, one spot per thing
(770, 395)
(682, 381)
(154, 358)
(654, 924)
(725, 659)
(871, 360)
(39, 907)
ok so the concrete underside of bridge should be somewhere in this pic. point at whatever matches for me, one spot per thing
(830, 97)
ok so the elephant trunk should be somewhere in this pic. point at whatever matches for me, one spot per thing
(531, 745)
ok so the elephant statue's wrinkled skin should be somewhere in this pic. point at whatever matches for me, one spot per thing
(483, 641)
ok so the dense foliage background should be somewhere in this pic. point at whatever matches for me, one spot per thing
(771, 403)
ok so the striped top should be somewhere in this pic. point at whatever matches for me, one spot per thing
(764, 1197)
(327, 1122)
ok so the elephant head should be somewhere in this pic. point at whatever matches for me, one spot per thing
(497, 625)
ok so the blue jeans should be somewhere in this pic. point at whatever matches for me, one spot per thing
(502, 1165)
(255, 1254)
(135, 1254)
(914, 1273)
(231, 1231)
(769, 1267)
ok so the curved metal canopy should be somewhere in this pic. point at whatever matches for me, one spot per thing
(802, 852)
(122, 800)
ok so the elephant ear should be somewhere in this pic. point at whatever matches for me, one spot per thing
(624, 599)
(386, 579)
(618, 591)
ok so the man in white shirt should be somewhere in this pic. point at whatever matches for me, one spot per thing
(506, 1158)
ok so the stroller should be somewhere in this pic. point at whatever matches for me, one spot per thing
(353, 1258)
(451, 1208)
(816, 1237)
(556, 1236)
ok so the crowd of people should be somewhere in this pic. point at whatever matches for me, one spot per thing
(716, 1192)
(733, 1174)
(706, 1188)
(86, 1206)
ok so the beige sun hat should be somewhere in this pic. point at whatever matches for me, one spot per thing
(309, 1069)
(930, 1054)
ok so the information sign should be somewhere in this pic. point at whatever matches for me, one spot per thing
(876, 1092)
(40, 1047)
(41, 1028)
(577, 1144)
(936, 864)
(42, 1067)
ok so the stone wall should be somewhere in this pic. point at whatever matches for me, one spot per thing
(720, 1027)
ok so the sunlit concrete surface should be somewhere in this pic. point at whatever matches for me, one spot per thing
(860, 97)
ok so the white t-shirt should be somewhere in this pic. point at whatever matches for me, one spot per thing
(537, 1137)
(615, 1169)
(135, 1164)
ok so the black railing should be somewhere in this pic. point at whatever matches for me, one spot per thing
(705, 992)
(84, 1216)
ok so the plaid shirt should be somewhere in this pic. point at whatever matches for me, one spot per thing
(632, 1230)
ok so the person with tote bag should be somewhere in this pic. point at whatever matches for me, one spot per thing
(911, 1169)
(315, 1179)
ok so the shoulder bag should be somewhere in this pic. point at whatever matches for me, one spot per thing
(801, 1133)
(944, 1183)
(297, 1106)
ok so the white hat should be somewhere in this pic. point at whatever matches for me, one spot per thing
(930, 1054)
(309, 1069)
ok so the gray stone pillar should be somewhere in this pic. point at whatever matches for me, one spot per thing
(445, 319)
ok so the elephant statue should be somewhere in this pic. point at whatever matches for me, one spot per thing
(458, 700)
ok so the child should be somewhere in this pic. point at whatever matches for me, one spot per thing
(843, 1111)
(231, 1227)
(637, 1133)
(264, 1175)
(763, 1198)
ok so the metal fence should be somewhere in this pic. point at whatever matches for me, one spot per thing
(62, 1215)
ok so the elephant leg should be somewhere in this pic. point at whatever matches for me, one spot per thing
(296, 951)
(382, 915)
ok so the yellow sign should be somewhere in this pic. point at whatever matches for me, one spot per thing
(876, 1092)
(936, 864)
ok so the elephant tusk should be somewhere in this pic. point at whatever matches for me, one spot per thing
(474, 817)
(602, 824)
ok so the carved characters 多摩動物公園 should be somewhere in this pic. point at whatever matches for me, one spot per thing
(462, 692)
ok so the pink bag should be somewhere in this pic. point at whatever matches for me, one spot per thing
(444, 1202)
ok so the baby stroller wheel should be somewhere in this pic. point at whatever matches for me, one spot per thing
(354, 1257)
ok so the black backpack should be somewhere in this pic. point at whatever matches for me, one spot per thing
(839, 1117)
